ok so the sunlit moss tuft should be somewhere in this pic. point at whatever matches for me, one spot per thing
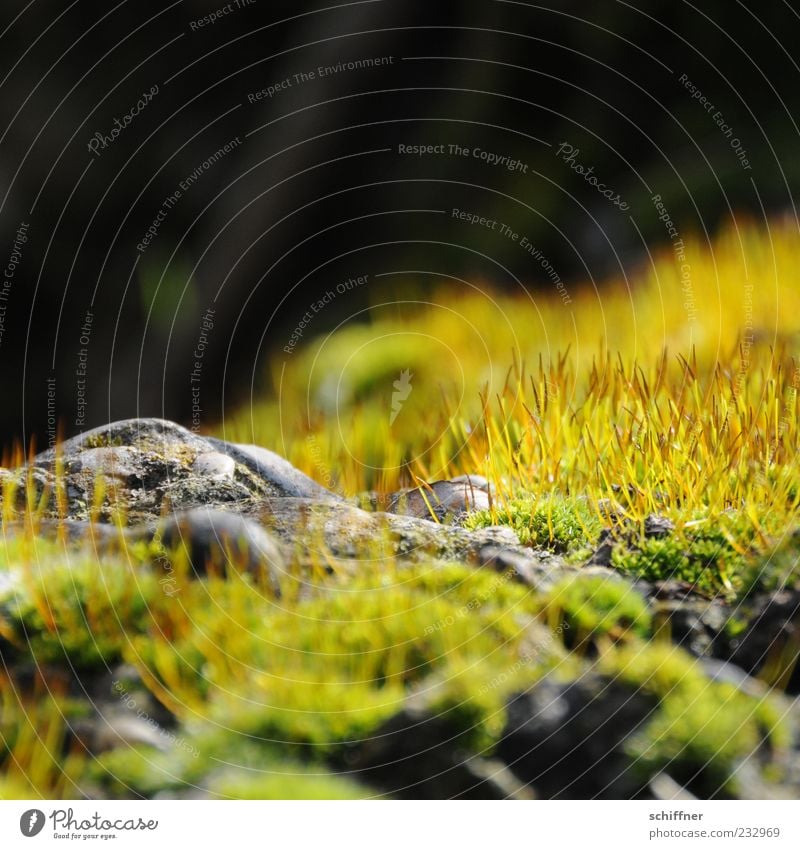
(563, 525)
(702, 729)
(588, 606)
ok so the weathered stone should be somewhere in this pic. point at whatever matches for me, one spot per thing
(604, 549)
(123, 712)
(500, 535)
(443, 500)
(223, 540)
(626, 535)
(214, 464)
(727, 673)
(76, 531)
(115, 729)
(566, 739)
(278, 474)
(536, 568)
(473, 482)
(693, 623)
(769, 645)
(149, 464)
(121, 462)
(315, 528)
(664, 788)
(658, 526)
(419, 754)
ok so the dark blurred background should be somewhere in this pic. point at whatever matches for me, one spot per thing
(696, 103)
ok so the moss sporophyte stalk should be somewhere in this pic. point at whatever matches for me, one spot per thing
(640, 514)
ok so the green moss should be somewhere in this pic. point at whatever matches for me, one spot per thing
(560, 524)
(74, 605)
(222, 764)
(702, 728)
(287, 785)
(310, 680)
(472, 699)
(331, 668)
(587, 606)
(145, 771)
(710, 557)
(776, 568)
(357, 364)
(102, 440)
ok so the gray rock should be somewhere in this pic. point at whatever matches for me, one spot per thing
(727, 673)
(771, 638)
(314, 528)
(214, 464)
(658, 526)
(501, 535)
(122, 712)
(566, 739)
(217, 494)
(421, 754)
(499, 781)
(443, 500)
(625, 534)
(76, 532)
(664, 788)
(604, 549)
(536, 568)
(147, 435)
(692, 622)
(121, 462)
(206, 535)
(277, 473)
(223, 540)
(117, 729)
(148, 465)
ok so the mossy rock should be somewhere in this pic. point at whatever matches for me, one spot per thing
(702, 728)
(585, 607)
(564, 525)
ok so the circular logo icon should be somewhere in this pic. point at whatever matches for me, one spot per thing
(31, 822)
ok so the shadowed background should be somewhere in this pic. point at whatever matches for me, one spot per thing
(312, 191)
